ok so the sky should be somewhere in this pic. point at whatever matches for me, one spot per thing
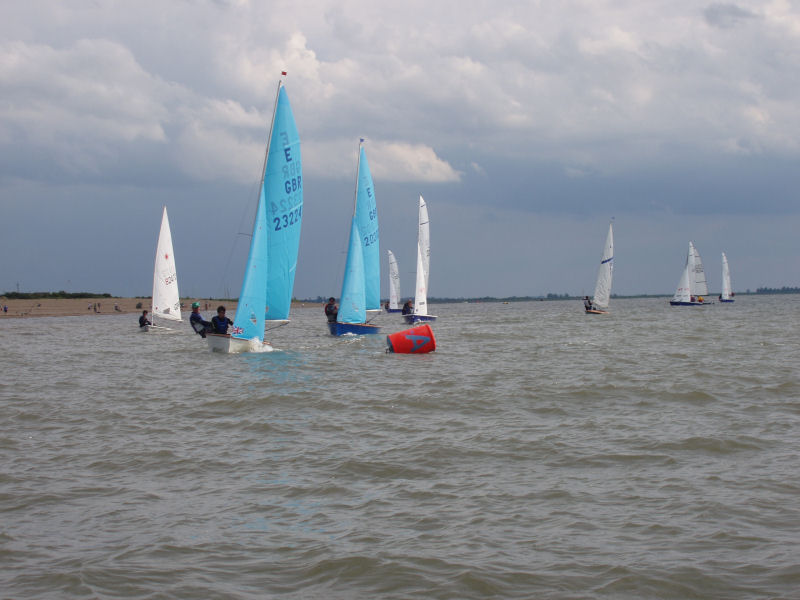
(526, 125)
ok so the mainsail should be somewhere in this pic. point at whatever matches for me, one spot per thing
(394, 282)
(366, 212)
(423, 260)
(602, 289)
(166, 299)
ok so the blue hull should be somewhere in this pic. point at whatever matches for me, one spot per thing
(394, 310)
(354, 328)
(721, 300)
(411, 319)
(674, 303)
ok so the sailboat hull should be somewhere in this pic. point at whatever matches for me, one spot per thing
(231, 345)
(353, 328)
(411, 319)
(594, 311)
(723, 300)
(394, 310)
(681, 303)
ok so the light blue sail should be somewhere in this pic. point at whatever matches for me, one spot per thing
(352, 304)
(249, 320)
(283, 192)
(367, 217)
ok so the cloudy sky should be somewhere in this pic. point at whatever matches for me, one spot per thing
(526, 125)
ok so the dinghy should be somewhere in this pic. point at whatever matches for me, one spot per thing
(394, 285)
(166, 304)
(361, 283)
(692, 288)
(727, 294)
(268, 282)
(602, 289)
(423, 268)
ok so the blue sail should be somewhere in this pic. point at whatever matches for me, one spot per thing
(352, 304)
(249, 320)
(367, 217)
(283, 192)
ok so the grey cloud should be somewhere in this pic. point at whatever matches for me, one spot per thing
(726, 16)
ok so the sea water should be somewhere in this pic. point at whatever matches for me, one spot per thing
(653, 452)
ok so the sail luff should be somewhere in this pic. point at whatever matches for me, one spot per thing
(166, 298)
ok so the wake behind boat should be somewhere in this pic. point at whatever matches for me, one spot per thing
(692, 287)
(423, 268)
(271, 263)
(361, 282)
(602, 289)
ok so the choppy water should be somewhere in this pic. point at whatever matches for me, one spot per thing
(539, 453)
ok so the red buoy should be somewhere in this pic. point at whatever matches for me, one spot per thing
(417, 340)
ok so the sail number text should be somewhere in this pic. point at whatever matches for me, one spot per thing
(288, 219)
(370, 239)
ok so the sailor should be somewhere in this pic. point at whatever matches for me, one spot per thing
(408, 307)
(587, 303)
(143, 320)
(331, 310)
(198, 323)
(220, 322)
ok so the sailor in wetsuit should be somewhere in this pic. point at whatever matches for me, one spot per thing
(587, 303)
(331, 310)
(220, 322)
(198, 323)
(408, 307)
(143, 320)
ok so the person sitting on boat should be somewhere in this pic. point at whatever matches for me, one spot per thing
(198, 323)
(587, 303)
(408, 307)
(143, 320)
(220, 322)
(331, 310)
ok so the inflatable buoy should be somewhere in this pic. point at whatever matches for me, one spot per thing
(417, 340)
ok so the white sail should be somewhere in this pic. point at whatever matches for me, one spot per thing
(726, 279)
(699, 285)
(684, 291)
(166, 299)
(394, 282)
(602, 290)
(423, 260)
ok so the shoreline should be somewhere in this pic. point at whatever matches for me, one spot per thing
(72, 307)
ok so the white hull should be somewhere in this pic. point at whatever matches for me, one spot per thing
(232, 345)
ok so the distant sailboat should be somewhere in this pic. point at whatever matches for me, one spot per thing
(423, 267)
(271, 263)
(692, 287)
(394, 285)
(602, 289)
(166, 302)
(727, 294)
(361, 283)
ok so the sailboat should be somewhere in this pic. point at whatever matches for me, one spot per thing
(166, 302)
(361, 284)
(394, 285)
(266, 293)
(726, 295)
(602, 289)
(692, 286)
(423, 267)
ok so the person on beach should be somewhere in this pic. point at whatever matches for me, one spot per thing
(143, 320)
(408, 307)
(331, 310)
(220, 322)
(198, 323)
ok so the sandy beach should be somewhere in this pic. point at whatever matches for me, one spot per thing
(65, 307)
